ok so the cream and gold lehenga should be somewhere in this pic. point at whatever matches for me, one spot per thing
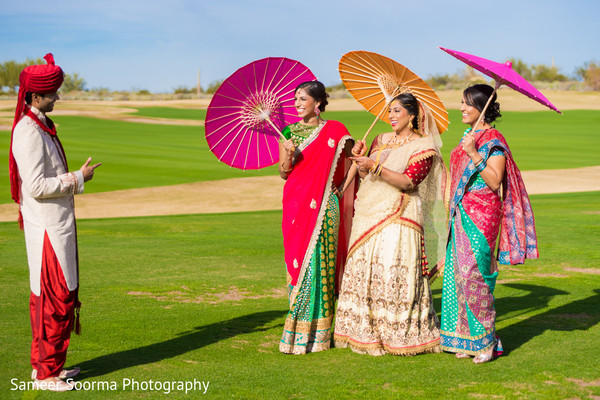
(385, 303)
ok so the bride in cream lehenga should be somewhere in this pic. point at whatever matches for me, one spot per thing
(385, 302)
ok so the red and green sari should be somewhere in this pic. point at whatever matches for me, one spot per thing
(477, 215)
(316, 228)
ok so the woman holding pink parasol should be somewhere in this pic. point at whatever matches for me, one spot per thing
(479, 166)
(385, 303)
(314, 162)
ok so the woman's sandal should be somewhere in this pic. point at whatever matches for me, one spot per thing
(462, 355)
(483, 358)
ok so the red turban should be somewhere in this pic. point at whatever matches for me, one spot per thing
(39, 79)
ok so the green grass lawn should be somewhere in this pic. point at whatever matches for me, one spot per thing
(202, 297)
(135, 155)
(540, 140)
(170, 112)
(140, 155)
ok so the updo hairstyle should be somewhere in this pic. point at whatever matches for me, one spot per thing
(477, 95)
(316, 90)
(411, 104)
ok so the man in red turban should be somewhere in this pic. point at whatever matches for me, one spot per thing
(43, 186)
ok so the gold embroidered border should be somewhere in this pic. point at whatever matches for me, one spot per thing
(307, 326)
(310, 138)
(468, 337)
(465, 351)
(430, 347)
(393, 218)
(404, 199)
(447, 187)
(315, 235)
(410, 223)
(298, 349)
(415, 158)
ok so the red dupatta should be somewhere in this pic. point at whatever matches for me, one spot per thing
(305, 194)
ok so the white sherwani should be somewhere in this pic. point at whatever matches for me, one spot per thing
(47, 204)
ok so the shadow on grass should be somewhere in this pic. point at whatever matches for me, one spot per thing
(577, 315)
(581, 314)
(536, 298)
(188, 341)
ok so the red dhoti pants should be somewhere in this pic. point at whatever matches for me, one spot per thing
(52, 315)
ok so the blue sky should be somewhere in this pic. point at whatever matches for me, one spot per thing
(158, 45)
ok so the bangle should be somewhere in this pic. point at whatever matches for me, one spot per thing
(286, 170)
(479, 162)
(481, 166)
(373, 168)
(376, 169)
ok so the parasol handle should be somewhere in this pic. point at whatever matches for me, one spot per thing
(486, 106)
(376, 118)
(275, 127)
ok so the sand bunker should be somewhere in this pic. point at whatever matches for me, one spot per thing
(259, 194)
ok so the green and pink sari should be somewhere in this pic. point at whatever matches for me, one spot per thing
(477, 215)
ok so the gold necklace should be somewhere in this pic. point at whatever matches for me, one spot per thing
(402, 142)
(388, 144)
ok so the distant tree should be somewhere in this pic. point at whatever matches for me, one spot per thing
(212, 88)
(10, 71)
(590, 74)
(9, 75)
(100, 89)
(452, 81)
(441, 81)
(333, 88)
(521, 68)
(73, 83)
(472, 76)
(544, 73)
(184, 90)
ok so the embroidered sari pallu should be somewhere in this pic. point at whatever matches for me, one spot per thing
(477, 215)
(385, 303)
(314, 225)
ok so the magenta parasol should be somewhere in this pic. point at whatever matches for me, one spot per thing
(247, 113)
(503, 74)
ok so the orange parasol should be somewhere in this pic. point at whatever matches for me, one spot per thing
(374, 80)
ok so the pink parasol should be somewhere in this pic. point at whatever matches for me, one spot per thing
(503, 74)
(247, 113)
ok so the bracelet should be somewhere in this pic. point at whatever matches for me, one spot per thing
(481, 166)
(374, 167)
(479, 162)
(286, 170)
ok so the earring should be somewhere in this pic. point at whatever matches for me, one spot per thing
(410, 125)
(317, 111)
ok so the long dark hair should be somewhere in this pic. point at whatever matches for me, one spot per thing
(478, 95)
(410, 102)
(316, 90)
